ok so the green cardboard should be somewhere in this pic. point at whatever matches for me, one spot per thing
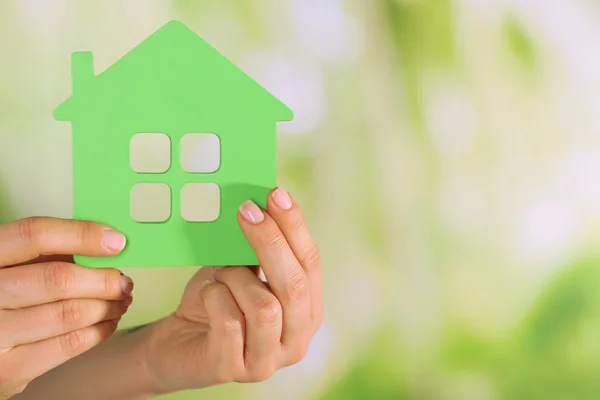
(173, 83)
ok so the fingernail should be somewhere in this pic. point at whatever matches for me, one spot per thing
(251, 212)
(127, 302)
(113, 240)
(116, 321)
(282, 199)
(126, 284)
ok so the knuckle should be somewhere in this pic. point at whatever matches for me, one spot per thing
(297, 354)
(58, 278)
(69, 313)
(232, 327)
(80, 232)
(274, 240)
(111, 281)
(311, 258)
(232, 331)
(268, 311)
(31, 230)
(297, 287)
(12, 286)
(72, 342)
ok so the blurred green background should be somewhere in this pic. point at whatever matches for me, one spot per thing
(446, 152)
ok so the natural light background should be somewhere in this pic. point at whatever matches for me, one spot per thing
(447, 154)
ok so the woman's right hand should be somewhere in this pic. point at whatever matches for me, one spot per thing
(50, 309)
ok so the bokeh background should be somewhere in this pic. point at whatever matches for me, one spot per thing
(447, 155)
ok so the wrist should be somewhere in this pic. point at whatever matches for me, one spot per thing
(118, 368)
(146, 359)
(167, 363)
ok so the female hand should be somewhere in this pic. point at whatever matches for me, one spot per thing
(50, 309)
(231, 326)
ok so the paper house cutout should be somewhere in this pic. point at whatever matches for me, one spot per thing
(173, 85)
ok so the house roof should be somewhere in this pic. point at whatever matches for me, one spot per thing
(176, 61)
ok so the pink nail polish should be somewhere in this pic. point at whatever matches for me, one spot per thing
(252, 213)
(282, 199)
(113, 241)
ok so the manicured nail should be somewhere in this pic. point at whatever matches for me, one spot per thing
(251, 212)
(127, 302)
(113, 240)
(282, 199)
(126, 284)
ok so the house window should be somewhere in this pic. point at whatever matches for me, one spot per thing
(200, 202)
(200, 153)
(150, 153)
(151, 202)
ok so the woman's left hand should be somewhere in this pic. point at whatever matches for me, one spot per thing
(231, 326)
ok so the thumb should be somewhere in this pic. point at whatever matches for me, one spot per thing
(192, 307)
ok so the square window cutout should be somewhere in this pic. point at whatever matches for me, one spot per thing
(200, 153)
(150, 153)
(201, 202)
(151, 202)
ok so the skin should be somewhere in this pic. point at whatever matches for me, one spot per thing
(50, 309)
(229, 327)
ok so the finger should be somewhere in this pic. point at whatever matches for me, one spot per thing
(28, 325)
(190, 307)
(30, 361)
(290, 219)
(49, 258)
(29, 238)
(263, 316)
(281, 268)
(255, 270)
(226, 338)
(38, 284)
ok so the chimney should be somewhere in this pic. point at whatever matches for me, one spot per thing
(82, 69)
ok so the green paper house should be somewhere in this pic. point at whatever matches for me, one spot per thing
(173, 128)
